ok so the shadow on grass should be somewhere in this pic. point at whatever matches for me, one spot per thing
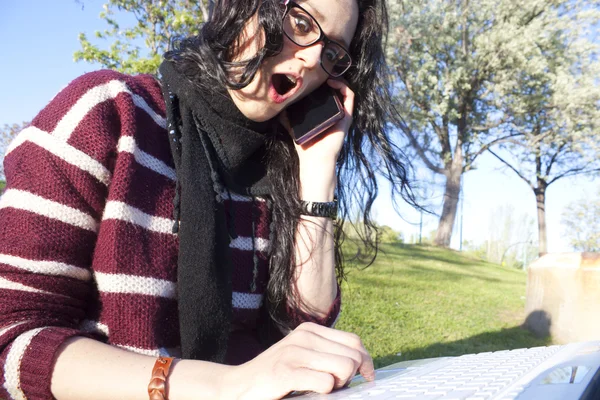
(425, 253)
(411, 260)
(415, 252)
(510, 338)
(420, 272)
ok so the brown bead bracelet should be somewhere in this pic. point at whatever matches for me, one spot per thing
(157, 387)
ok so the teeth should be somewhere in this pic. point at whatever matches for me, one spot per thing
(291, 79)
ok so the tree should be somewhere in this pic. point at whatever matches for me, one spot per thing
(554, 103)
(581, 219)
(388, 235)
(7, 134)
(158, 23)
(449, 62)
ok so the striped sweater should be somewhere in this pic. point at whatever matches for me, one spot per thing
(86, 246)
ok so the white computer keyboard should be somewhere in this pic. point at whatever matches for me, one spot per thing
(474, 376)
(480, 376)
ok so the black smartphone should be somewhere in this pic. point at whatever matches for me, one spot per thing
(315, 113)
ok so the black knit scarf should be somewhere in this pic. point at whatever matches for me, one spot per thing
(215, 149)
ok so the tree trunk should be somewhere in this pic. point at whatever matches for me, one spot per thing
(540, 200)
(453, 170)
(451, 196)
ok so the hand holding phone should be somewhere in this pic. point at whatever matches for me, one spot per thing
(314, 114)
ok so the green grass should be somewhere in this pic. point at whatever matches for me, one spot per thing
(419, 302)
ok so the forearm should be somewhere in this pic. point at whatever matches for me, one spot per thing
(315, 255)
(86, 369)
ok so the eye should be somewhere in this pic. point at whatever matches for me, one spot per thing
(332, 55)
(302, 25)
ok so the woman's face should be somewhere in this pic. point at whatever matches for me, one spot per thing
(265, 97)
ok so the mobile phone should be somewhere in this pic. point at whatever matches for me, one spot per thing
(314, 114)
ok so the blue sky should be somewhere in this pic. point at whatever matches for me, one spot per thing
(40, 36)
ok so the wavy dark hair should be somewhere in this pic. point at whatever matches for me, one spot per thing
(368, 150)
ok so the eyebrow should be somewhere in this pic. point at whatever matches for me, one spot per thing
(316, 14)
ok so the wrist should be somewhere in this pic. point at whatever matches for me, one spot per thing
(317, 191)
(191, 379)
(233, 385)
(317, 183)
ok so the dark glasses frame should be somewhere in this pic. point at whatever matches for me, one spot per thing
(321, 38)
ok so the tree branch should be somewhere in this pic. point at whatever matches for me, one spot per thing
(408, 87)
(420, 150)
(514, 169)
(574, 172)
(491, 126)
(442, 136)
(534, 16)
(505, 139)
(553, 159)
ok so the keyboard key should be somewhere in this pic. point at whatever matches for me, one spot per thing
(485, 393)
(374, 392)
(448, 387)
(474, 376)
(407, 385)
(415, 390)
(436, 393)
(421, 396)
(459, 394)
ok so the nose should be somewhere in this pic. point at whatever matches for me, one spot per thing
(311, 55)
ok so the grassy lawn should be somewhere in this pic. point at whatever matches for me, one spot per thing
(419, 302)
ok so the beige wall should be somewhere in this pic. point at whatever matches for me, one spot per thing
(563, 297)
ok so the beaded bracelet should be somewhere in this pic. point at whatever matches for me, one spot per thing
(157, 387)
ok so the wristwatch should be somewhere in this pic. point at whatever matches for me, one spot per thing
(317, 209)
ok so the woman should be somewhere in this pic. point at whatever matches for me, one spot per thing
(118, 248)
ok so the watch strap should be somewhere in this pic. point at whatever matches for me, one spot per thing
(320, 209)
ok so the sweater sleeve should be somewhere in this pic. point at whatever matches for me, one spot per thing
(57, 172)
(298, 316)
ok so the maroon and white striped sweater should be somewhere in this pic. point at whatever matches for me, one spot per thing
(85, 235)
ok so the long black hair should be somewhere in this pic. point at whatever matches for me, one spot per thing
(368, 150)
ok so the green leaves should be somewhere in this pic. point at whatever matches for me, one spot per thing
(502, 65)
(518, 78)
(138, 47)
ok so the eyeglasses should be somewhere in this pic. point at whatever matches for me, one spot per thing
(304, 30)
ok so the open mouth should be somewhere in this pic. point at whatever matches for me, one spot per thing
(284, 84)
